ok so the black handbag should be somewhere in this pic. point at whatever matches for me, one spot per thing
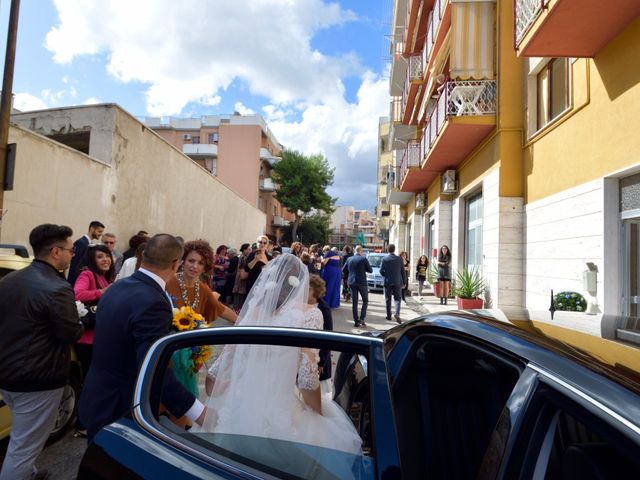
(89, 320)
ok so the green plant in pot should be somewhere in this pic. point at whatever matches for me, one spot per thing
(432, 278)
(469, 287)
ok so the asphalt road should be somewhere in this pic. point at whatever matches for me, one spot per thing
(62, 458)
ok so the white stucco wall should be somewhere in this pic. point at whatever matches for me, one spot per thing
(148, 185)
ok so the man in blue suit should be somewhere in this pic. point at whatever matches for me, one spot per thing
(80, 249)
(132, 314)
(393, 272)
(356, 268)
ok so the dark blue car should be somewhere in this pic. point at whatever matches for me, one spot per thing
(446, 396)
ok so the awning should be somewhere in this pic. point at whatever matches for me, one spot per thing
(473, 39)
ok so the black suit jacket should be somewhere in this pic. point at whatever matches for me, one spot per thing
(132, 314)
(81, 246)
(325, 355)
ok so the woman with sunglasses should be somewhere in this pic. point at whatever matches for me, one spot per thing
(257, 260)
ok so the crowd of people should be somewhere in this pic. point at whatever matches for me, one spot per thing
(112, 306)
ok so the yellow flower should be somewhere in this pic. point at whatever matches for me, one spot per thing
(182, 321)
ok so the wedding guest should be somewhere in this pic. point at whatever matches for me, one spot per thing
(347, 252)
(232, 270)
(405, 265)
(109, 239)
(240, 284)
(98, 274)
(136, 240)
(317, 290)
(332, 275)
(185, 288)
(131, 265)
(444, 272)
(96, 229)
(133, 314)
(257, 260)
(422, 269)
(220, 266)
(36, 302)
(309, 263)
(296, 249)
(314, 251)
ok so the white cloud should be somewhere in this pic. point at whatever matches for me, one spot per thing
(26, 102)
(265, 44)
(91, 101)
(242, 110)
(345, 133)
(52, 97)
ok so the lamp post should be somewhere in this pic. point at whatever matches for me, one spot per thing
(5, 100)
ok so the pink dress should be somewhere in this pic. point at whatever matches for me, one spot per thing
(86, 290)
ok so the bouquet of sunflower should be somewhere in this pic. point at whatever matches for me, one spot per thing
(186, 318)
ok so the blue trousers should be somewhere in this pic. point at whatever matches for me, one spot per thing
(396, 290)
(363, 290)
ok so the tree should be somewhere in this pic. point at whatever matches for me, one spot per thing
(314, 228)
(302, 182)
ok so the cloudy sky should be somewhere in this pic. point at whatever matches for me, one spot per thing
(315, 69)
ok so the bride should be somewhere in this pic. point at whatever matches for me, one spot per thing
(272, 391)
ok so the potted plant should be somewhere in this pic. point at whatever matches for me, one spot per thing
(469, 287)
(432, 278)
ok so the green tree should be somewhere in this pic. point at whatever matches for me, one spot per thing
(302, 182)
(314, 228)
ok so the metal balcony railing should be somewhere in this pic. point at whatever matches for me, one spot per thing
(527, 12)
(412, 158)
(416, 69)
(459, 98)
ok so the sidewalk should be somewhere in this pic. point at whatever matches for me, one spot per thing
(376, 312)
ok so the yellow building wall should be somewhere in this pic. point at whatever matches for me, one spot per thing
(600, 135)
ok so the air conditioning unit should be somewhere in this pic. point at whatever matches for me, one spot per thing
(420, 201)
(186, 136)
(449, 182)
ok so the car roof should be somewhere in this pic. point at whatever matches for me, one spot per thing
(14, 257)
(607, 344)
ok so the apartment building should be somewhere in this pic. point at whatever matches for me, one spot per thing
(239, 150)
(512, 141)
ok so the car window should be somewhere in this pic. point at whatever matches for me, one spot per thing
(375, 260)
(448, 396)
(563, 440)
(272, 410)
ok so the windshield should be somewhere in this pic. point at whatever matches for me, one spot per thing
(375, 260)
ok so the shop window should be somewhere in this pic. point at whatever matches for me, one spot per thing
(473, 230)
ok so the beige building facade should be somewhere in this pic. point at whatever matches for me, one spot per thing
(129, 178)
(240, 150)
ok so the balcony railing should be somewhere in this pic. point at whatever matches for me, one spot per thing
(416, 68)
(267, 185)
(412, 158)
(459, 98)
(435, 18)
(527, 12)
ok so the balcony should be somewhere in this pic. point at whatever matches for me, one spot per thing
(394, 195)
(462, 117)
(399, 132)
(267, 185)
(437, 26)
(278, 221)
(416, 24)
(569, 28)
(200, 150)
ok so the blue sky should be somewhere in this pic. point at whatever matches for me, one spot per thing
(316, 70)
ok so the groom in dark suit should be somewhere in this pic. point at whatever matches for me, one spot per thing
(393, 272)
(133, 313)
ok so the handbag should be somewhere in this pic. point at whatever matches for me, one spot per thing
(89, 320)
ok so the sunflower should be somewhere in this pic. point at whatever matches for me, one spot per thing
(183, 319)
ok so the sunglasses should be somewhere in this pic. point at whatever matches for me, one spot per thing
(72, 249)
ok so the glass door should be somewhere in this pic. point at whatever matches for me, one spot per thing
(631, 266)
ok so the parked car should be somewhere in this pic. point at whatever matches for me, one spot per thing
(15, 257)
(375, 281)
(447, 396)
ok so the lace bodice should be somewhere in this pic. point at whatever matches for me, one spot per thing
(308, 375)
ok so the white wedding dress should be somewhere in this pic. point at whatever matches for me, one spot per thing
(257, 390)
